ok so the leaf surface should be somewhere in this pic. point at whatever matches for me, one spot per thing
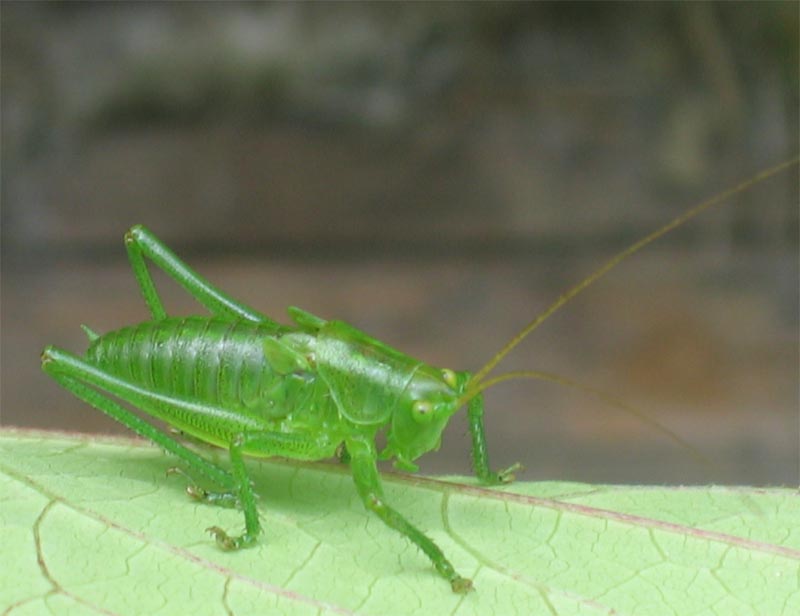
(93, 526)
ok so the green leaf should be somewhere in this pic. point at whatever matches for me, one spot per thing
(92, 525)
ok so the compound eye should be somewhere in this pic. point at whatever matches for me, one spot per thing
(422, 411)
(449, 377)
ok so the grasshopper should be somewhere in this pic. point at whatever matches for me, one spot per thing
(310, 391)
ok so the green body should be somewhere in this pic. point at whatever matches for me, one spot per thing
(324, 380)
(241, 381)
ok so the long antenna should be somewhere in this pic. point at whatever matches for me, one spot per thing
(616, 259)
(592, 391)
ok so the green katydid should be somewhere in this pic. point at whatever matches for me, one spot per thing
(310, 391)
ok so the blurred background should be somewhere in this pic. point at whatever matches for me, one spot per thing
(435, 174)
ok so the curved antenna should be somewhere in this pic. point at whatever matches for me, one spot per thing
(612, 401)
(599, 394)
(621, 256)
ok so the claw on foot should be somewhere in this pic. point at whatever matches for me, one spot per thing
(508, 475)
(220, 499)
(223, 539)
(193, 490)
(196, 492)
(461, 585)
(228, 543)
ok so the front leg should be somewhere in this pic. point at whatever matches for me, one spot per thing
(480, 455)
(365, 475)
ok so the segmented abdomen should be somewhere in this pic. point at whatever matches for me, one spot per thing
(216, 361)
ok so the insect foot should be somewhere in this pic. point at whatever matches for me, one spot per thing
(461, 585)
(228, 543)
(228, 500)
(508, 475)
(219, 499)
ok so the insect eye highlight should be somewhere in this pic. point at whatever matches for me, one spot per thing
(422, 411)
(449, 377)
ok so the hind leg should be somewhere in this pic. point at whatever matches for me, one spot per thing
(141, 244)
(95, 387)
